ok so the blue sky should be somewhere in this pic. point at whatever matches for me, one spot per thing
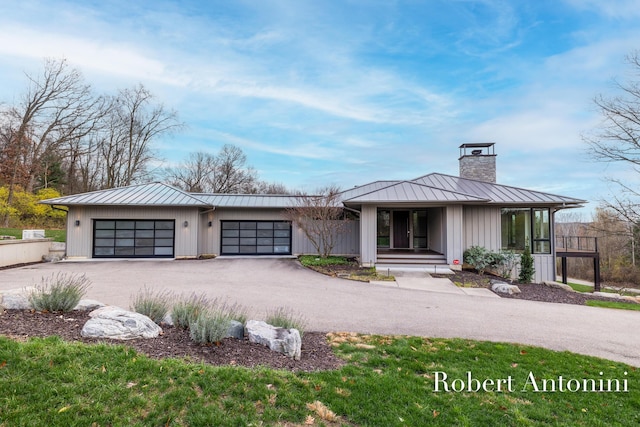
(346, 92)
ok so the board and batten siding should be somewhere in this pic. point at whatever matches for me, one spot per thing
(482, 227)
(368, 236)
(80, 237)
(300, 244)
(455, 234)
(545, 266)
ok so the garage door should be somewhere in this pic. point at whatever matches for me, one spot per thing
(133, 238)
(256, 238)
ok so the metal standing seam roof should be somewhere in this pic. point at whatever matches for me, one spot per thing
(407, 191)
(153, 194)
(248, 200)
(495, 193)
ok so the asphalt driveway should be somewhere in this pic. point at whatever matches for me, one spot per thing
(332, 304)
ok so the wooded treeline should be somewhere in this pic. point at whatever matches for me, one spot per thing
(59, 134)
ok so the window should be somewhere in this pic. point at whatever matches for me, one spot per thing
(419, 229)
(526, 227)
(384, 228)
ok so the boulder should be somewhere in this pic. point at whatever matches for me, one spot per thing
(504, 288)
(236, 330)
(16, 299)
(88, 305)
(559, 286)
(117, 323)
(285, 341)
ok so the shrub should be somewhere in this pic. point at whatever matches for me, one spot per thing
(527, 269)
(479, 257)
(505, 263)
(209, 327)
(187, 310)
(59, 292)
(286, 317)
(153, 304)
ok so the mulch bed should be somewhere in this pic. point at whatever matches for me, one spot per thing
(529, 291)
(175, 342)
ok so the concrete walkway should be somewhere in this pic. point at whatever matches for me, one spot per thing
(421, 281)
(412, 307)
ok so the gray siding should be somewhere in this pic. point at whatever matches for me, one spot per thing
(455, 233)
(80, 238)
(347, 242)
(545, 266)
(368, 235)
(482, 227)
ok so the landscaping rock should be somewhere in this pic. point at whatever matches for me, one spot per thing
(236, 330)
(285, 341)
(504, 288)
(88, 305)
(16, 299)
(117, 323)
(618, 297)
(559, 286)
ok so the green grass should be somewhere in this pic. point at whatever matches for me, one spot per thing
(56, 235)
(317, 261)
(388, 381)
(580, 288)
(614, 304)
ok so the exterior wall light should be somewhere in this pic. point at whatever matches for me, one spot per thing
(77, 223)
(186, 223)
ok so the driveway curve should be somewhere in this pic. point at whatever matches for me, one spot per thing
(332, 304)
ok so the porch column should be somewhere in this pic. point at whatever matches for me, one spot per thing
(454, 236)
(368, 233)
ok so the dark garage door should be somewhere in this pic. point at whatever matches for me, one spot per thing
(256, 238)
(133, 238)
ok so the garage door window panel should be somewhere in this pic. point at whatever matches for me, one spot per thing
(133, 238)
(255, 237)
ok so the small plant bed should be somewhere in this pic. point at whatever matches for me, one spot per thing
(343, 267)
(529, 291)
(174, 342)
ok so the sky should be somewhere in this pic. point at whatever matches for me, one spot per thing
(347, 92)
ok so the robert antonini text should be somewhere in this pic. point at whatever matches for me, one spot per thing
(529, 383)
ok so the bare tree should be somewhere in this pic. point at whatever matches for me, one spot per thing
(320, 217)
(617, 139)
(131, 126)
(232, 174)
(194, 173)
(56, 108)
(224, 172)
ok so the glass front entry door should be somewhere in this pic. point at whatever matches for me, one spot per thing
(401, 229)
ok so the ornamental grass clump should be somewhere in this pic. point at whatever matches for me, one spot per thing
(210, 327)
(155, 304)
(59, 292)
(187, 309)
(286, 317)
(233, 311)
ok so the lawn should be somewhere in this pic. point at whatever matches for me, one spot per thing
(388, 381)
(614, 304)
(56, 235)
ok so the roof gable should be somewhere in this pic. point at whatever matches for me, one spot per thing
(494, 193)
(153, 194)
(407, 191)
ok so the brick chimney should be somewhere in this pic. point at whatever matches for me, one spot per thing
(478, 161)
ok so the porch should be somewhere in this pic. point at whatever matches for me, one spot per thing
(410, 257)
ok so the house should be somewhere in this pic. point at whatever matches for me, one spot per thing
(429, 220)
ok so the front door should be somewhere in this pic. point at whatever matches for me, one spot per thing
(401, 229)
